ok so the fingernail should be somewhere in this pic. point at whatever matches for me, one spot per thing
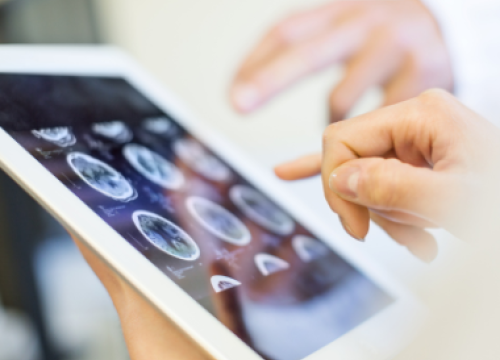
(422, 254)
(349, 231)
(344, 181)
(246, 97)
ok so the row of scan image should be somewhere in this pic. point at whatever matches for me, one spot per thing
(161, 171)
(308, 249)
(174, 241)
(116, 131)
(111, 183)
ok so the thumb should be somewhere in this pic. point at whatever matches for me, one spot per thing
(391, 185)
(110, 280)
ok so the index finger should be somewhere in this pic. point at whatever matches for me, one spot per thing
(303, 167)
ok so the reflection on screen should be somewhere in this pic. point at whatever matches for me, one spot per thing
(223, 241)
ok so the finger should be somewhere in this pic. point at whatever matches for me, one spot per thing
(111, 281)
(419, 72)
(404, 218)
(391, 185)
(373, 65)
(300, 168)
(405, 85)
(292, 64)
(294, 29)
(418, 241)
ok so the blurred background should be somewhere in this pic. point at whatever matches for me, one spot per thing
(53, 307)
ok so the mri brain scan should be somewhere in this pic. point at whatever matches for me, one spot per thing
(113, 130)
(153, 166)
(269, 264)
(60, 136)
(261, 210)
(222, 283)
(309, 249)
(166, 236)
(101, 177)
(158, 126)
(218, 221)
(201, 161)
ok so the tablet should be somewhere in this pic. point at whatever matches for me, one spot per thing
(208, 238)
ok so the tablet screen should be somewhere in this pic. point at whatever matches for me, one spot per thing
(245, 259)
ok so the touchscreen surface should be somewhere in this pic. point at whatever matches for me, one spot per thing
(222, 240)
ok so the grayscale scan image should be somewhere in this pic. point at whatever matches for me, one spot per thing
(153, 167)
(207, 165)
(101, 177)
(166, 236)
(261, 210)
(222, 283)
(114, 130)
(219, 221)
(60, 136)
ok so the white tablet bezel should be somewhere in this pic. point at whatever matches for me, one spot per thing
(378, 338)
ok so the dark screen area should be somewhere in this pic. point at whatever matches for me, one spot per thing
(31, 102)
(246, 260)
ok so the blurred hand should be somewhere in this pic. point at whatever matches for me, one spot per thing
(426, 162)
(148, 334)
(394, 44)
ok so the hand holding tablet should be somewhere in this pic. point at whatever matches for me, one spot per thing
(148, 334)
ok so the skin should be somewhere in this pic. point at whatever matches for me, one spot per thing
(393, 44)
(427, 162)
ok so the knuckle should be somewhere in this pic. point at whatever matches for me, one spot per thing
(435, 105)
(331, 132)
(339, 106)
(435, 96)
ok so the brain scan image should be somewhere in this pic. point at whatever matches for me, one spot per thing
(309, 249)
(60, 136)
(269, 264)
(166, 236)
(219, 221)
(261, 210)
(153, 166)
(158, 126)
(201, 161)
(113, 130)
(101, 177)
(222, 283)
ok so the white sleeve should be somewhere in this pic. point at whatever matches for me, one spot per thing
(471, 29)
